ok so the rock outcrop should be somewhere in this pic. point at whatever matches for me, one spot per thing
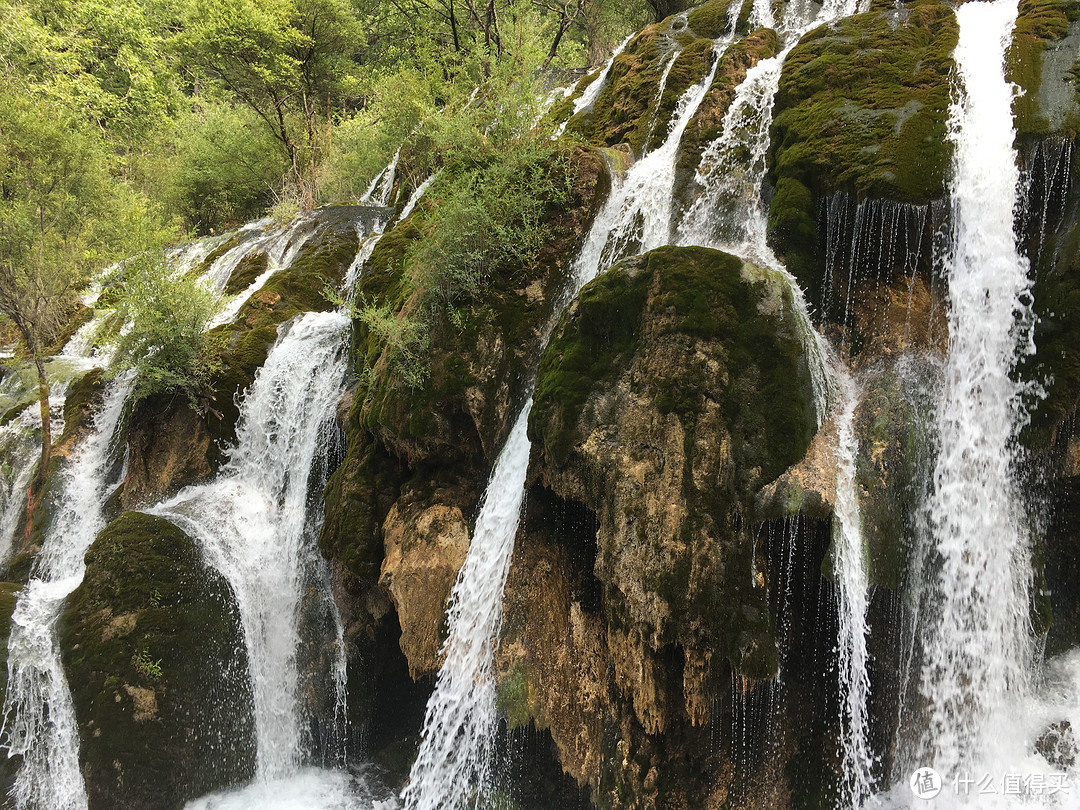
(673, 390)
(158, 674)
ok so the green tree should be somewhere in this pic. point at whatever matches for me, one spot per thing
(290, 61)
(52, 191)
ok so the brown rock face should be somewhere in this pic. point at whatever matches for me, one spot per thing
(168, 448)
(637, 589)
(425, 549)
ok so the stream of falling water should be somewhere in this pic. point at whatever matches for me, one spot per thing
(39, 718)
(853, 596)
(977, 647)
(252, 521)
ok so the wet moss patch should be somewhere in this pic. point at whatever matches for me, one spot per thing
(862, 107)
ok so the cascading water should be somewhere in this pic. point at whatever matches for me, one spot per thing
(252, 521)
(977, 648)
(39, 719)
(852, 587)
(460, 720)
(382, 187)
(281, 246)
(638, 213)
(589, 95)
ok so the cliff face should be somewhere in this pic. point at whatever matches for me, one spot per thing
(673, 389)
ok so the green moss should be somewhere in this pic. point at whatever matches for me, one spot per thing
(512, 697)
(83, 396)
(594, 341)
(627, 109)
(174, 734)
(1038, 22)
(250, 268)
(862, 107)
(710, 19)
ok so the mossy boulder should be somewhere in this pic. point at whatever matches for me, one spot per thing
(152, 648)
(862, 107)
(1043, 63)
(673, 390)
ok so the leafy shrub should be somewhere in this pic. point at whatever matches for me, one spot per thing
(164, 338)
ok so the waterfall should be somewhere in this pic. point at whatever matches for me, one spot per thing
(977, 647)
(252, 521)
(281, 247)
(592, 92)
(382, 186)
(852, 586)
(39, 718)
(460, 719)
(638, 213)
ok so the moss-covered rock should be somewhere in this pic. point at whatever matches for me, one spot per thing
(1041, 62)
(152, 651)
(475, 360)
(80, 403)
(671, 392)
(420, 455)
(712, 19)
(862, 107)
(631, 108)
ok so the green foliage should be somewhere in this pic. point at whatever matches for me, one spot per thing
(166, 342)
(146, 665)
(483, 220)
(225, 166)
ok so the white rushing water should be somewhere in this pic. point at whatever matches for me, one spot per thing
(977, 647)
(454, 759)
(637, 215)
(852, 587)
(281, 246)
(39, 719)
(382, 187)
(252, 521)
(460, 720)
(307, 789)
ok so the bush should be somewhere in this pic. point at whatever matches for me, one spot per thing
(164, 338)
